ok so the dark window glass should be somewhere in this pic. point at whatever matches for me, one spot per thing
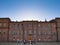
(13, 37)
(0, 32)
(4, 32)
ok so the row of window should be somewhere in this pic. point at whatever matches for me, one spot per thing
(15, 25)
(39, 25)
(2, 33)
(4, 24)
(31, 33)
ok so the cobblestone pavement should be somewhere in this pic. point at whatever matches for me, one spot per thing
(41, 43)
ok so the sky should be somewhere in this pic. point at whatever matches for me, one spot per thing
(30, 9)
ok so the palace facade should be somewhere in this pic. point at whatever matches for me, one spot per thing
(29, 30)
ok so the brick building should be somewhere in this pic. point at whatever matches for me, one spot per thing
(29, 30)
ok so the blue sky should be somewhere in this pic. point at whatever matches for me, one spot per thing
(30, 9)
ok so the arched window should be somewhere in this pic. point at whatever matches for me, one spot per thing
(14, 33)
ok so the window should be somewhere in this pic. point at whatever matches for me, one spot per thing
(44, 33)
(5, 25)
(13, 37)
(10, 26)
(10, 32)
(0, 31)
(25, 31)
(18, 25)
(0, 20)
(0, 24)
(30, 31)
(54, 33)
(39, 25)
(34, 31)
(54, 25)
(49, 33)
(30, 24)
(14, 33)
(34, 35)
(4, 32)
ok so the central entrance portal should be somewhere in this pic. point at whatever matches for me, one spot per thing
(30, 38)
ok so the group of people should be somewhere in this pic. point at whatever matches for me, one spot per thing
(24, 41)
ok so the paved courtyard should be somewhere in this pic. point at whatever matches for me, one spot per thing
(41, 43)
